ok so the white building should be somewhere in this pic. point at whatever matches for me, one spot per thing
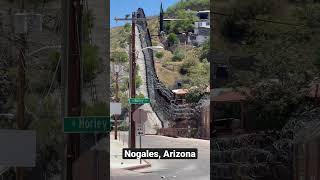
(201, 28)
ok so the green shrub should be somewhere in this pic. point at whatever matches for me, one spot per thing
(159, 55)
(178, 56)
(138, 81)
(172, 39)
(194, 96)
(98, 109)
(91, 62)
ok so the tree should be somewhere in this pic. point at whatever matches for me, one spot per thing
(185, 25)
(200, 75)
(88, 22)
(178, 56)
(119, 57)
(172, 39)
(194, 95)
(138, 80)
(195, 5)
(205, 50)
(91, 62)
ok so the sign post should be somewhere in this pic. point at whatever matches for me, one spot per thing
(115, 109)
(140, 117)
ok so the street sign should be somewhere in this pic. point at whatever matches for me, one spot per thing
(139, 101)
(140, 116)
(140, 130)
(18, 148)
(90, 124)
(115, 108)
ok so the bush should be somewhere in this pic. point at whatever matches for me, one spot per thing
(138, 81)
(159, 55)
(272, 104)
(178, 56)
(194, 96)
(119, 57)
(91, 62)
(172, 39)
(190, 61)
(98, 109)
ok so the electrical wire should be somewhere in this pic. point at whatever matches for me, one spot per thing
(262, 20)
(53, 78)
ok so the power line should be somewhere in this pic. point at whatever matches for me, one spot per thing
(262, 20)
(53, 78)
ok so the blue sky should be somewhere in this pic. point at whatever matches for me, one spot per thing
(119, 8)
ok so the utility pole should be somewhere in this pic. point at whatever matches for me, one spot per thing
(133, 82)
(20, 94)
(72, 75)
(132, 76)
(117, 100)
(21, 80)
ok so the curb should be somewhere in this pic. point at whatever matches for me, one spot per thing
(132, 168)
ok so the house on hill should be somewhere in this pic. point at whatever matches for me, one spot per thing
(201, 32)
(198, 35)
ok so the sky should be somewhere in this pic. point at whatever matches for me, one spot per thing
(120, 8)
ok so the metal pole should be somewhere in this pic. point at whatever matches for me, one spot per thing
(140, 146)
(133, 83)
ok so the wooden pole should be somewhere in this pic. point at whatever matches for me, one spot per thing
(133, 83)
(117, 100)
(73, 82)
(20, 97)
(21, 79)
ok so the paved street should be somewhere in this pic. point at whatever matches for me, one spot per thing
(170, 169)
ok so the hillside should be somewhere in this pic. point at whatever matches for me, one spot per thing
(280, 39)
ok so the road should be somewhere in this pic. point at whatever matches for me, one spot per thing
(198, 169)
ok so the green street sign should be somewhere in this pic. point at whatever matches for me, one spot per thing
(139, 101)
(90, 124)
